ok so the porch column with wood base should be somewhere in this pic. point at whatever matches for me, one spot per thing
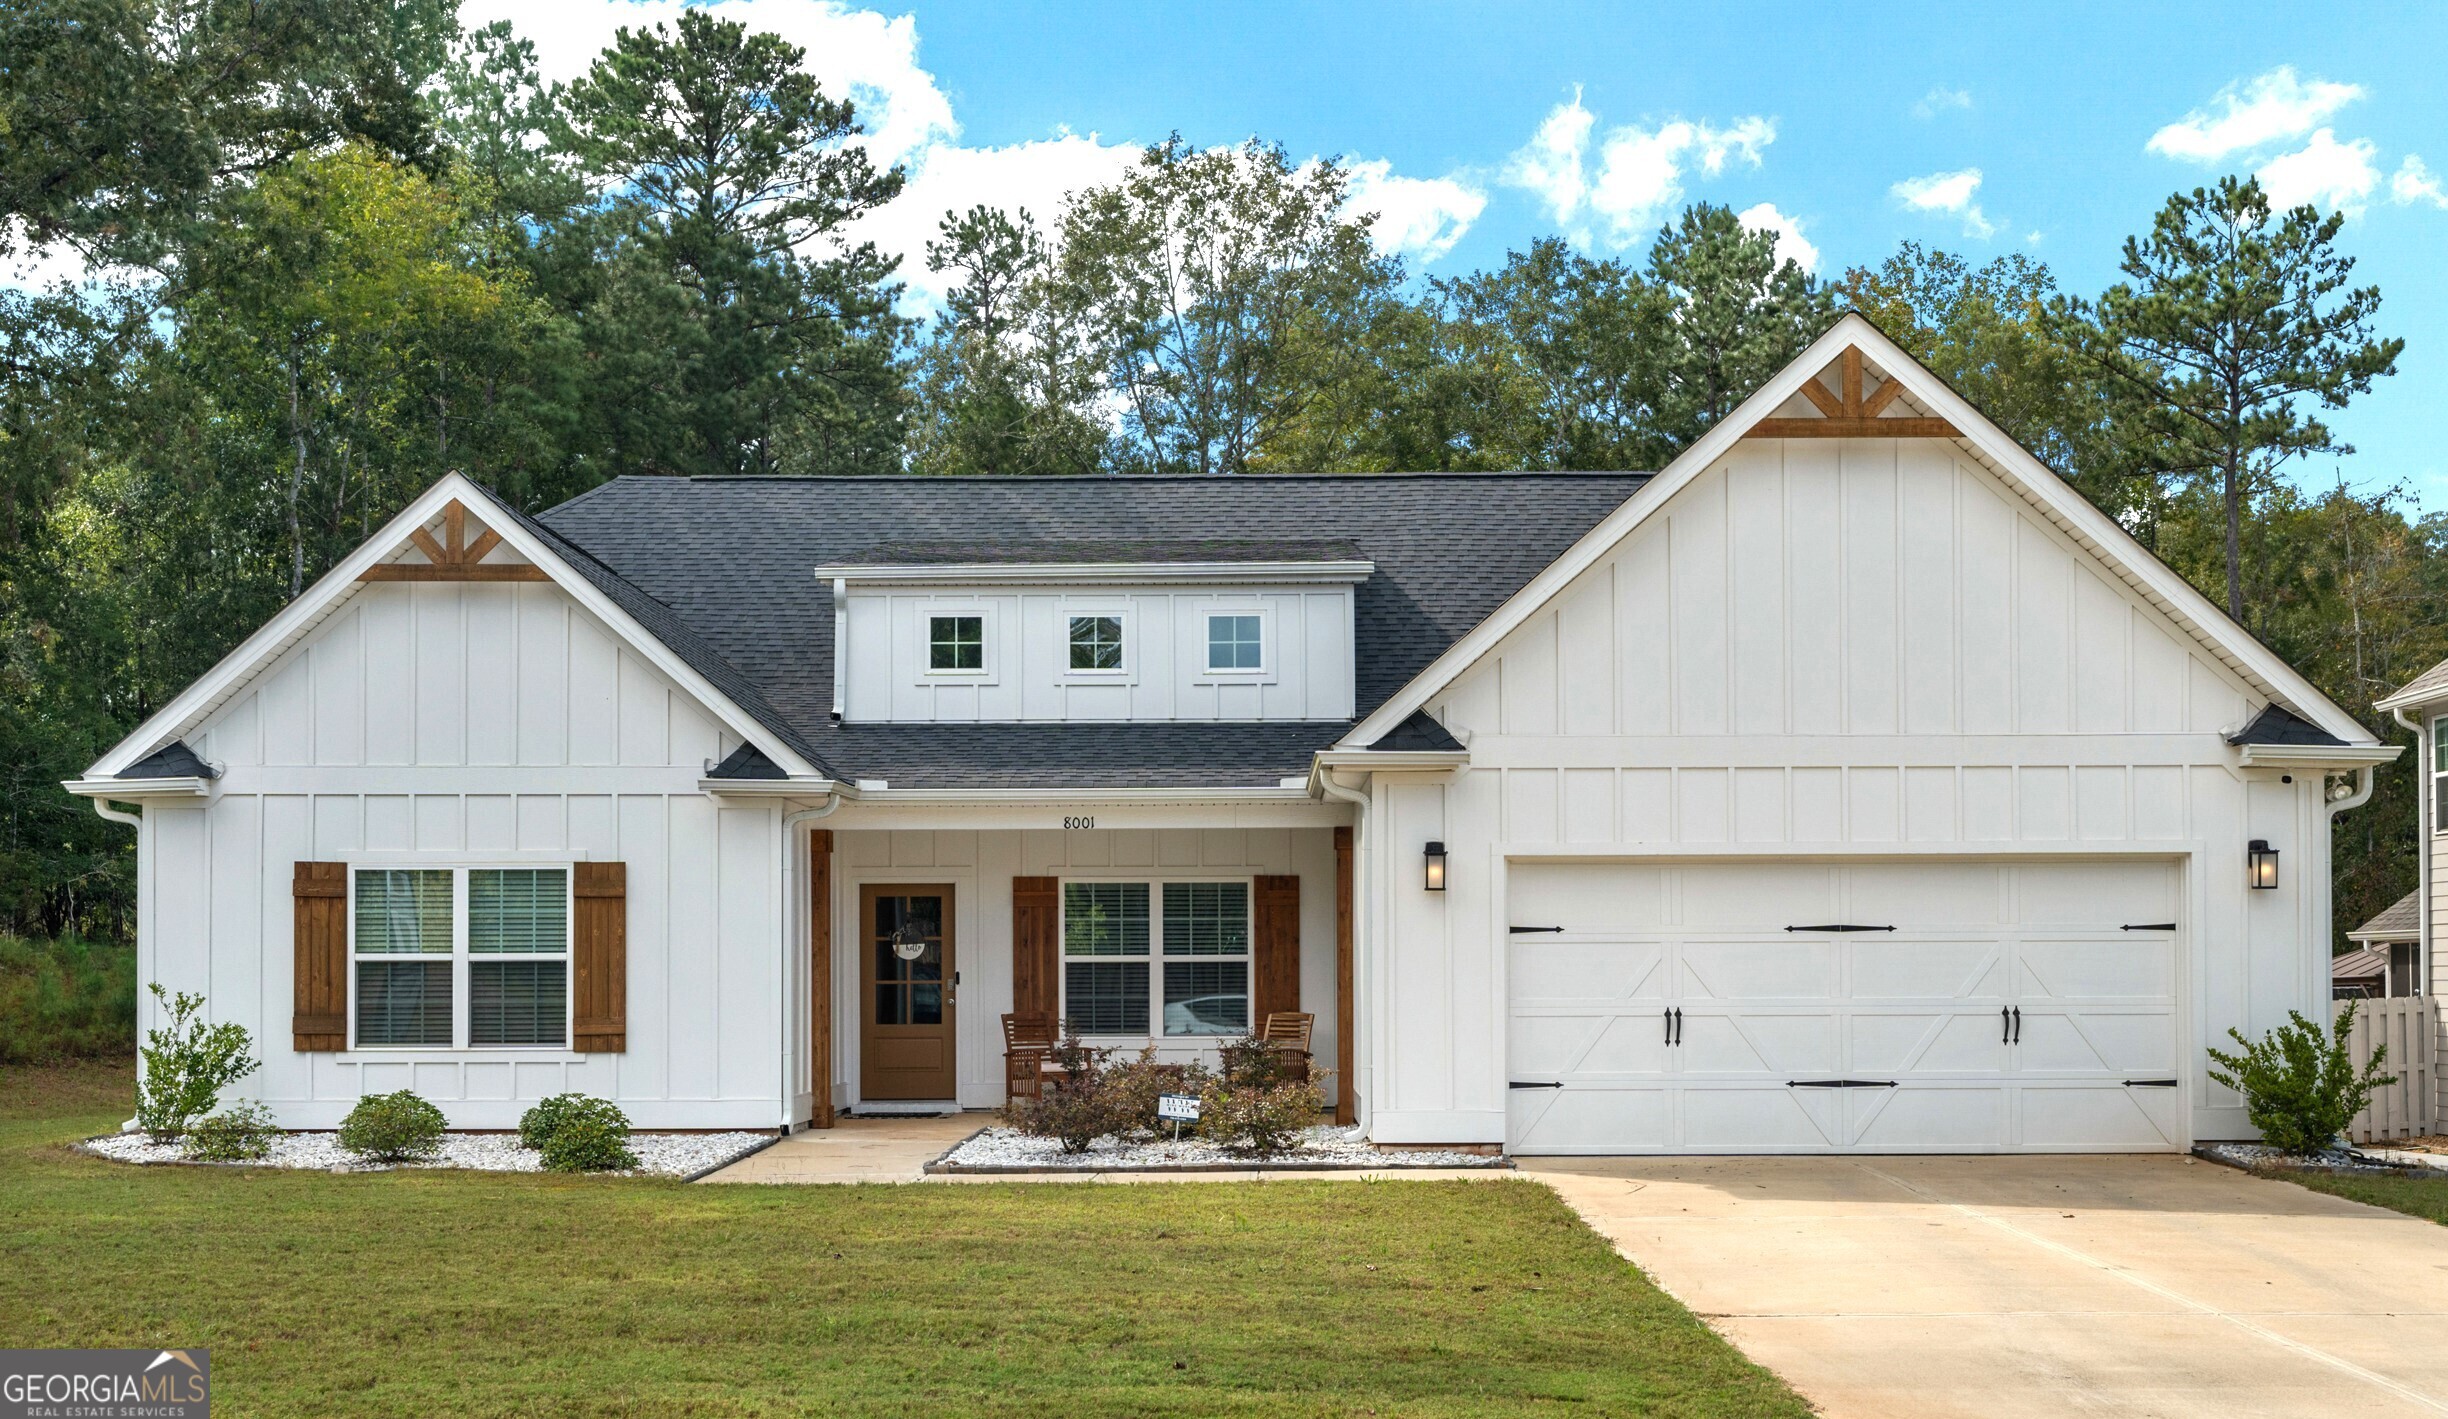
(820, 975)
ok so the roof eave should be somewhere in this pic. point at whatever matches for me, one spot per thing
(133, 790)
(2316, 756)
(776, 788)
(1100, 573)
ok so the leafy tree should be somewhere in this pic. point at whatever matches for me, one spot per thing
(2231, 318)
(1221, 291)
(1733, 315)
(1566, 338)
(736, 329)
(1004, 384)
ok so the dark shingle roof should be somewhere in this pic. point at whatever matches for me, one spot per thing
(172, 760)
(1419, 732)
(2277, 726)
(1141, 552)
(727, 566)
(747, 762)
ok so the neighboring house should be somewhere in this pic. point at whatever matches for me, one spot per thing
(2386, 959)
(2421, 705)
(1851, 783)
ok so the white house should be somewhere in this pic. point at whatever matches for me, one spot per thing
(1851, 783)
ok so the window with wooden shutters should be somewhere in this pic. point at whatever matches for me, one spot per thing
(1141, 959)
(462, 957)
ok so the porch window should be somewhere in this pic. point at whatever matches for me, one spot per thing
(461, 956)
(1110, 936)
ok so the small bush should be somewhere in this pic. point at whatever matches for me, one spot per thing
(1251, 1063)
(1253, 1120)
(238, 1134)
(392, 1128)
(578, 1134)
(1134, 1086)
(66, 999)
(1077, 1109)
(2299, 1089)
(187, 1064)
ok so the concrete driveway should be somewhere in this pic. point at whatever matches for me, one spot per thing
(1892, 1287)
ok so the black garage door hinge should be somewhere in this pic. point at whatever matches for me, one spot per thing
(1534, 1084)
(1840, 1083)
(1840, 926)
(2148, 926)
(1527, 930)
(2150, 1083)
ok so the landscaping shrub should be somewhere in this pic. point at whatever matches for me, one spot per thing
(1133, 1087)
(1078, 1109)
(1259, 1120)
(2299, 1089)
(66, 999)
(238, 1134)
(578, 1134)
(392, 1128)
(1251, 1063)
(187, 1064)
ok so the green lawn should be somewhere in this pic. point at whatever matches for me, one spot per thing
(426, 1293)
(2416, 1197)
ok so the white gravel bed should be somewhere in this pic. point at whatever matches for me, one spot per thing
(663, 1155)
(1324, 1146)
(2261, 1155)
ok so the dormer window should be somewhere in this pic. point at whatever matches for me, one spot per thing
(1236, 641)
(1096, 643)
(956, 644)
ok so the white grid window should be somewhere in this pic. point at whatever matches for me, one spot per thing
(956, 643)
(460, 957)
(1156, 958)
(1236, 641)
(1096, 642)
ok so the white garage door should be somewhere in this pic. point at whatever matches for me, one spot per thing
(1818, 1007)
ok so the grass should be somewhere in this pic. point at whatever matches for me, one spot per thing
(2426, 1198)
(427, 1293)
(66, 999)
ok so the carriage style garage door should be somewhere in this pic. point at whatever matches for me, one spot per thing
(1820, 1007)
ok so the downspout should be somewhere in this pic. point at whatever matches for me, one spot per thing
(102, 806)
(1363, 888)
(841, 643)
(790, 893)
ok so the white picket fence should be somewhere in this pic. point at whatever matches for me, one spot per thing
(2408, 1025)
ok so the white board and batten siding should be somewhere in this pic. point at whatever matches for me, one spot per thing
(979, 866)
(447, 723)
(1837, 651)
(1307, 673)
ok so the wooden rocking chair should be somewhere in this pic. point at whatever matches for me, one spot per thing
(1287, 1033)
(1028, 1055)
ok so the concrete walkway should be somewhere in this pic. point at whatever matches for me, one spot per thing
(1900, 1287)
(897, 1150)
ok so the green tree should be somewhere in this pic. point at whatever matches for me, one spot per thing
(736, 328)
(1004, 384)
(1563, 341)
(1733, 315)
(2231, 319)
(1221, 292)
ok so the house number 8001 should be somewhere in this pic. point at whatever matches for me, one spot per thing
(1088, 822)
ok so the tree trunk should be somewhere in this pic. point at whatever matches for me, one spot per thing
(2235, 536)
(297, 478)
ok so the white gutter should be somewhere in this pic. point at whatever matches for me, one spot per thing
(1393, 760)
(2316, 756)
(136, 790)
(841, 640)
(777, 788)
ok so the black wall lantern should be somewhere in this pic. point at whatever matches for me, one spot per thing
(1436, 867)
(2263, 872)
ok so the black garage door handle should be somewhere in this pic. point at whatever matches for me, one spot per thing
(1529, 1084)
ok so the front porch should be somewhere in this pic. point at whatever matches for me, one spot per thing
(920, 938)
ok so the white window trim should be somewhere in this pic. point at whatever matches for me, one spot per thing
(990, 644)
(461, 958)
(1126, 672)
(1264, 670)
(1155, 957)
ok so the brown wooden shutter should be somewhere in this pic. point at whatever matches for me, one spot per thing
(1275, 946)
(318, 1018)
(1036, 947)
(600, 943)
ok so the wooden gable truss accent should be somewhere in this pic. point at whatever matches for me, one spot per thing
(452, 557)
(1851, 414)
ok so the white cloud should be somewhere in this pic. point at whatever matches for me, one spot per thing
(1420, 217)
(2415, 182)
(2325, 173)
(2269, 108)
(1034, 176)
(1791, 245)
(1639, 172)
(1939, 100)
(1950, 193)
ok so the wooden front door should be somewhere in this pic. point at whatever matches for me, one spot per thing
(908, 984)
